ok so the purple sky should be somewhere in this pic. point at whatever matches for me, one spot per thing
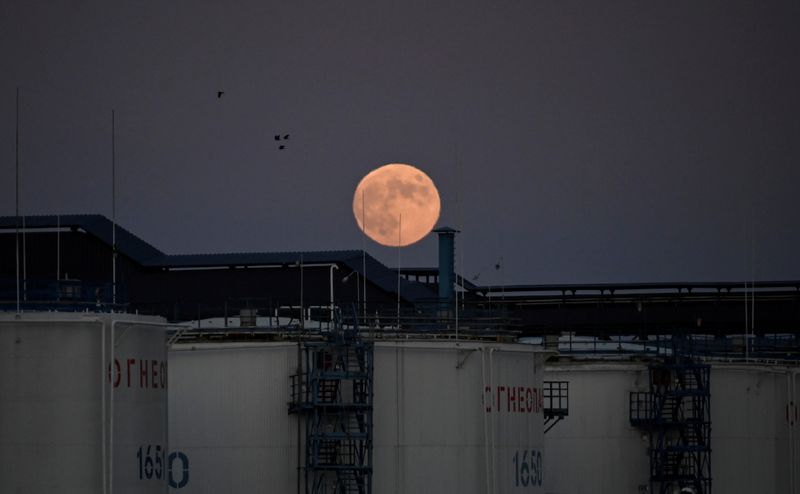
(580, 141)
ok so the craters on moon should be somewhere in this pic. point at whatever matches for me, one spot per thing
(396, 205)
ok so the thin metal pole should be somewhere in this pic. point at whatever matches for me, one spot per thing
(19, 208)
(364, 253)
(299, 369)
(103, 401)
(455, 289)
(113, 214)
(399, 243)
(58, 247)
(24, 262)
(111, 413)
(459, 206)
(753, 311)
(502, 279)
(493, 424)
(746, 329)
(166, 418)
(302, 315)
(753, 283)
(333, 302)
(485, 417)
(16, 199)
(297, 395)
(397, 383)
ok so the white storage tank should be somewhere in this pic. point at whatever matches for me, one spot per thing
(83, 403)
(461, 418)
(447, 417)
(597, 434)
(753, 413)
(230, 430)
(754, 437)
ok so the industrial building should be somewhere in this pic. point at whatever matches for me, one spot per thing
(308, 372)
(67, 259)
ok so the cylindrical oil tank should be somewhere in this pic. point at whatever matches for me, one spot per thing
(229, 428)
(754, 445)
(448, 417)
(83, 403)
(752, 429)
(597, 436)
(458, 418)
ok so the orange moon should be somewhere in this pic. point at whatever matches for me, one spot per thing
(396, 205)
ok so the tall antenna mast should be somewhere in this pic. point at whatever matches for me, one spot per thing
(399, 243)
(16, 237)
(113, 214)
(460, 220)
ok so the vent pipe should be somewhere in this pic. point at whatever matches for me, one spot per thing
(447, 237)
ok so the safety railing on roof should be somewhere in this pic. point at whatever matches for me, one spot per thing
(254, 314)
(66, 294)
(739, 347)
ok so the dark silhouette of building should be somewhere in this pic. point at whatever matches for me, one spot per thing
(66, 262)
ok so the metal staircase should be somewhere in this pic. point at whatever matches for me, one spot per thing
(676, 413)
(333, 394)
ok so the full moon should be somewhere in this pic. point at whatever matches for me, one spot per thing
(396, 205)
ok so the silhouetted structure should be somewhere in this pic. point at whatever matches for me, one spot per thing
(68, 264)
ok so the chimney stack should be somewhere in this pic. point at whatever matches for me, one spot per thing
(447, 237)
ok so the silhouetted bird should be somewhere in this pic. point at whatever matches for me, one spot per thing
(219, 94)
(284, 138)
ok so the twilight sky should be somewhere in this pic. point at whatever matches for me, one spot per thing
(580, 141)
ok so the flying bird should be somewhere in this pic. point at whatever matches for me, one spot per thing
(219, 94)
(285, 137)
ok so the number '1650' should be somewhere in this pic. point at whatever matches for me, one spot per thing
(152, 465)
(528, 468)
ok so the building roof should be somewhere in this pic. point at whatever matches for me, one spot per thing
(356, 260)
(97, 225)
(146, 255)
